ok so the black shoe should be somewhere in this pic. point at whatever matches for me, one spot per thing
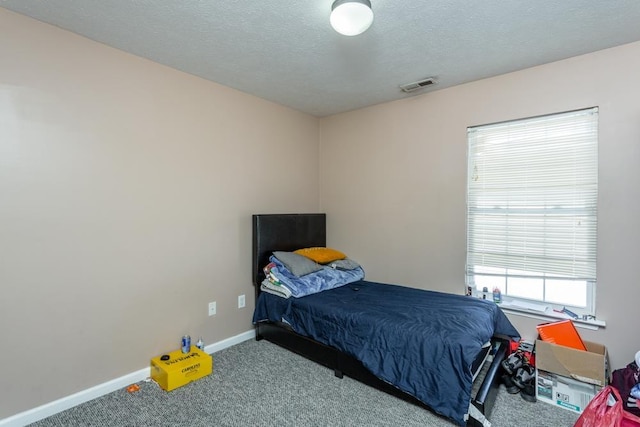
(529, 390)
(512, 363)
(524, 374)
(508, 383)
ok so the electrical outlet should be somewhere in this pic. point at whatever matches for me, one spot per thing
(240, 301)
(212, 308)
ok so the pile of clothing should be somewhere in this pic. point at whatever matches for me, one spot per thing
(627, 382)
(272, 284)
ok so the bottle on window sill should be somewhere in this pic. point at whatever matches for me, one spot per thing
(497, 296)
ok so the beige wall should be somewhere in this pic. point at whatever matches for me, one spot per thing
(126, 194)
(393, 179)
(126, 190)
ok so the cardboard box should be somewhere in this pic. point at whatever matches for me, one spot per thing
(180, 368)
(564, 392)
(591, 366)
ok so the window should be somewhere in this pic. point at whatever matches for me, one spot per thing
(532, 209)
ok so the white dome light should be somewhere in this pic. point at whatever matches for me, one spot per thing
(351, 17)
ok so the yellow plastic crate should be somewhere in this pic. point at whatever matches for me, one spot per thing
(181, 368)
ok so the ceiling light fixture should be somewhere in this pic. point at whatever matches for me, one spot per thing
(351, 17)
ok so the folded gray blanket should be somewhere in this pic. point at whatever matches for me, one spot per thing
(279, 290)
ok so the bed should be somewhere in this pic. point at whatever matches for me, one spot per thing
(440, 351)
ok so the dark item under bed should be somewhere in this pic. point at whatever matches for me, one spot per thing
(421, 342)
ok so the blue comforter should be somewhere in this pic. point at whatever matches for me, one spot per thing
(423, 342)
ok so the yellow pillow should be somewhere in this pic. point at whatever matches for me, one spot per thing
(321, 255)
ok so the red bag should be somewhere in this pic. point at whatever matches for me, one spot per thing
(599, 413)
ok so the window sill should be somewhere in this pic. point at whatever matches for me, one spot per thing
(550, 316)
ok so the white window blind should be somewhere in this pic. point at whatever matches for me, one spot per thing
(532, 196)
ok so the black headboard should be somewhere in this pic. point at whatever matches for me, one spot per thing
(284, 232)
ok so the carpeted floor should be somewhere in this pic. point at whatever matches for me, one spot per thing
(260, 384)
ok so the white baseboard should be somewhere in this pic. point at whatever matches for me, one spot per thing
(51, 408)
(221, 345)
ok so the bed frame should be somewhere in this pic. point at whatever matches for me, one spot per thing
(288, 232)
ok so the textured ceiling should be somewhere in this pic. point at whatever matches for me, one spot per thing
(286, 51)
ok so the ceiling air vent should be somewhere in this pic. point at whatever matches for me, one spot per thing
(412, 87)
